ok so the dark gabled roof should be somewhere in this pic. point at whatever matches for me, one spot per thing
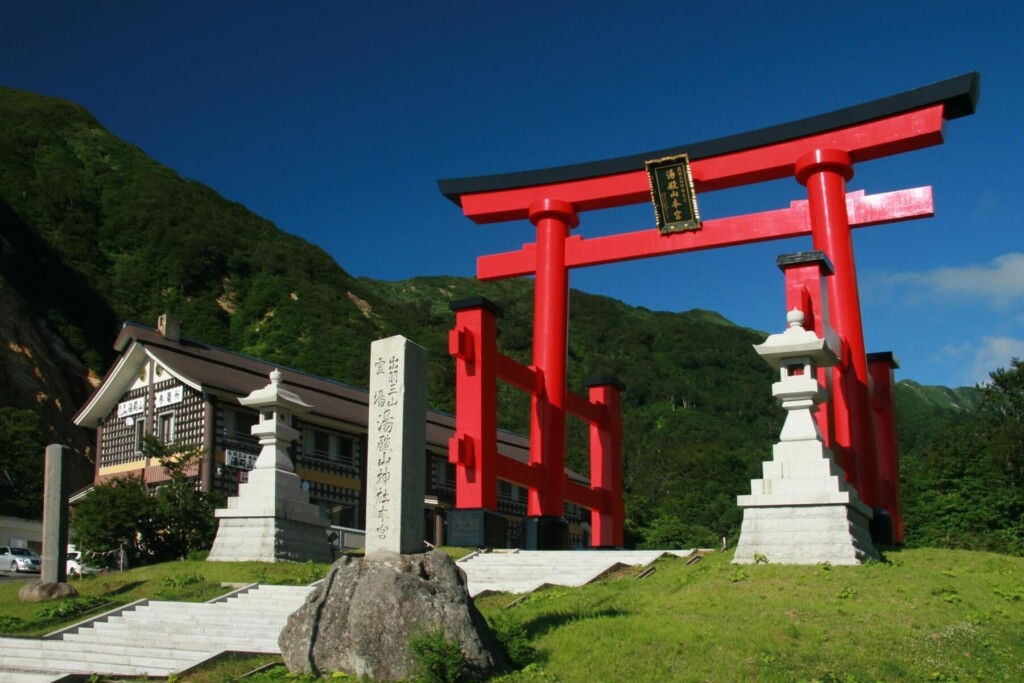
(959, 94)
(225, 372)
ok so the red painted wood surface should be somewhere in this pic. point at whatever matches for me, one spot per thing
(863, 211)
(871, 140)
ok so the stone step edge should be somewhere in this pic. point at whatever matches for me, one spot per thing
(82, 662)
(252, 591)
(529, 588)
(107, 647)
(189, 665)
(80, 671)
(116, 611)
(8, 676)
(233, 593)
(196, 644)
(87, 623)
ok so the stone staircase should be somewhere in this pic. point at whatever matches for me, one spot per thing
(522, 571)
(154, 638)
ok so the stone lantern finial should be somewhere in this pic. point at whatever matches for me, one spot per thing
(795, 318)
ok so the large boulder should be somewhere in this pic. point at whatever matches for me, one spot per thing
(40, 591)
(361, 617)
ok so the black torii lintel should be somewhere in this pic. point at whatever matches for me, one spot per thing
(959, 95)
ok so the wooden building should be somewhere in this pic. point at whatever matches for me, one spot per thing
(185, 392)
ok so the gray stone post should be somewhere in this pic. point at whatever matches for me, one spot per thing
(55, 514)
(396, 462)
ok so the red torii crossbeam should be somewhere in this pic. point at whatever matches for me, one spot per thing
(819, 152)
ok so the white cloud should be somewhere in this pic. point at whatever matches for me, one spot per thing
(999, 283)
(994, 353)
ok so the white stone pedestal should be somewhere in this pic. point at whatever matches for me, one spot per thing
(803, 511)
(271, 520)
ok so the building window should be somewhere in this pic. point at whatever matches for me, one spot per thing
(165, 427)
(445, 473)
(339, 514)
(140, 433)
(323, 445)
(238, 425)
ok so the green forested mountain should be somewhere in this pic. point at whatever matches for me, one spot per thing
(93, 232)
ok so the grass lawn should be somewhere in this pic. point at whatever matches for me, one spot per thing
(923, 615)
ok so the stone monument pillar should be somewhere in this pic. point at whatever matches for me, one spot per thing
(397, 451)
(802, 511)
(55, 514)
(271, 518)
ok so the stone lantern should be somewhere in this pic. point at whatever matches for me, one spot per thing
(796, 353)
(271, 518)
(802, 511)
(277, 405)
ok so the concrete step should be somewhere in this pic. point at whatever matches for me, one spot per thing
(222, 638)
(58, 656)
(213, 632)
(198, 643)
(525, 570)
(30, 677)
(154, 638)
(228, 620)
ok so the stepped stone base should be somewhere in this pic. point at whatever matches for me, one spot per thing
(270, 539)
(271, 520)
(807, 534)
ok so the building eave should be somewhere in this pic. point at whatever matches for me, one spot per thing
(114, 385)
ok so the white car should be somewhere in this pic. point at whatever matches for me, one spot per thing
(19, 560)
(75, 565)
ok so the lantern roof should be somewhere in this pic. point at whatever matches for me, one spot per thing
(275, 395)
(796, 342)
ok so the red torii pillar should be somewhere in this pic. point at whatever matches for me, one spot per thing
(473, 449)
(554, 219)
(819, 152)
(825, 173)
(606, 463)
(883, 405)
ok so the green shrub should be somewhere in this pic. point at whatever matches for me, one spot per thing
(514, 640)
(62, 609)
(9, 624)
(438, 660)
(182, 580)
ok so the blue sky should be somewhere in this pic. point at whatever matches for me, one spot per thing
(312, 113)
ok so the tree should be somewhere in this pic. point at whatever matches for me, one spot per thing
(184, 513)
(167, 525)
(21, 464)
(118, 514)
(964, 485)
(1002, 400)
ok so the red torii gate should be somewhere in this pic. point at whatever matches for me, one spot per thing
(820, 153)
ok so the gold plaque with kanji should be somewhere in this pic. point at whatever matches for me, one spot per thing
(675, 203)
